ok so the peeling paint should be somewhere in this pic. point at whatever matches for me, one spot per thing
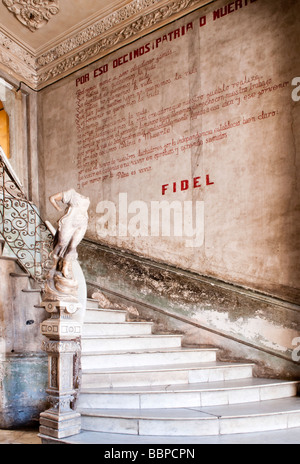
(23, 390)
(258, 320)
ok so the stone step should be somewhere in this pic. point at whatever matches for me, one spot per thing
(20, 275)
(286, 436)
(165, 375)
(104, 315)
(6, 252)
(6, 257)
(132, 342)
(32, 290)
(92, 304)
(193, 396)
(97, 360)
(117, 328)
(206, 421)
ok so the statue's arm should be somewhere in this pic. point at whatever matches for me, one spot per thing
(54, 199)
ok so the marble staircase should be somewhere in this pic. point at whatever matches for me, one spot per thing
(138, 383)
(150, 387)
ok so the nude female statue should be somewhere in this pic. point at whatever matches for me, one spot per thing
(71, 229)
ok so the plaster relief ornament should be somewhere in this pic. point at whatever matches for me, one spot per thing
(61, 284)
(33, 13)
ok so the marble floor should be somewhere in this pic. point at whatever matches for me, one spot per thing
(30, 437)
(19, 437)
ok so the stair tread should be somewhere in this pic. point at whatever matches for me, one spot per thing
(32, 290)
(151, 336)
(210, 412)
(154, 350)
(195, 387)
(170, 367)
(19, 274)
(134, 324)
(108, 310)
(8, 258)
(277, 437)
(261, 408)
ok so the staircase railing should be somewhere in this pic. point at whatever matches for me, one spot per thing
(24, 232)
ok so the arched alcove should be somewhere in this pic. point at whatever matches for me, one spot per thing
(4, 130)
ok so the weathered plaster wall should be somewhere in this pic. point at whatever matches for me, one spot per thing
(209, 95)
(23, 365)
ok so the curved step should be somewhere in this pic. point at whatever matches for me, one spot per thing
(97, 360)
(192, 395)
(270, 437)
(208, 421)
(164, 375)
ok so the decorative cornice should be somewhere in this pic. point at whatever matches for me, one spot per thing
(18, 67)
(32, 13)
(95, 30)
(10, 46)
(94, 41)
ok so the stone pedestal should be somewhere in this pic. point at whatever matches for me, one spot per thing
(63, 347)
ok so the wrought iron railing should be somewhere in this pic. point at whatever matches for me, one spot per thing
(24, 232)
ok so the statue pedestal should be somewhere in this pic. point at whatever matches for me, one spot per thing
(60, 425)
(63, 347)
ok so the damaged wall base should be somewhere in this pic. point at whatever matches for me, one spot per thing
(243, 324)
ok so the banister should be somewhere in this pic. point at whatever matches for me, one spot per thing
(212, 281)
(10, 170)
(191, 322)
(23, 230)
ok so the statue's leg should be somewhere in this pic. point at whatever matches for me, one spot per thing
(71, 253)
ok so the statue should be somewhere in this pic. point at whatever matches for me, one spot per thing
(72, 226)
(62, 330)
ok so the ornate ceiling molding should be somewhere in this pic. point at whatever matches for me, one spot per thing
(32, 13)
(94, 41)
(18, 61)
(95, 30)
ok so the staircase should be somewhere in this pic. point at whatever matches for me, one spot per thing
(139, 384)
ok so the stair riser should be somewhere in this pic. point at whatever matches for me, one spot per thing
(130, 343)
(102, 316)
(117, 329)
(184, 400)
(221, 374)
(108, 361)
(197, 427)
(282, 421)
(180, 377)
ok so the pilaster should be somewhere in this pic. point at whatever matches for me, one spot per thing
(63, 347)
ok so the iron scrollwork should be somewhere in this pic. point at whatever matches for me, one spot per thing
(21, 226)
